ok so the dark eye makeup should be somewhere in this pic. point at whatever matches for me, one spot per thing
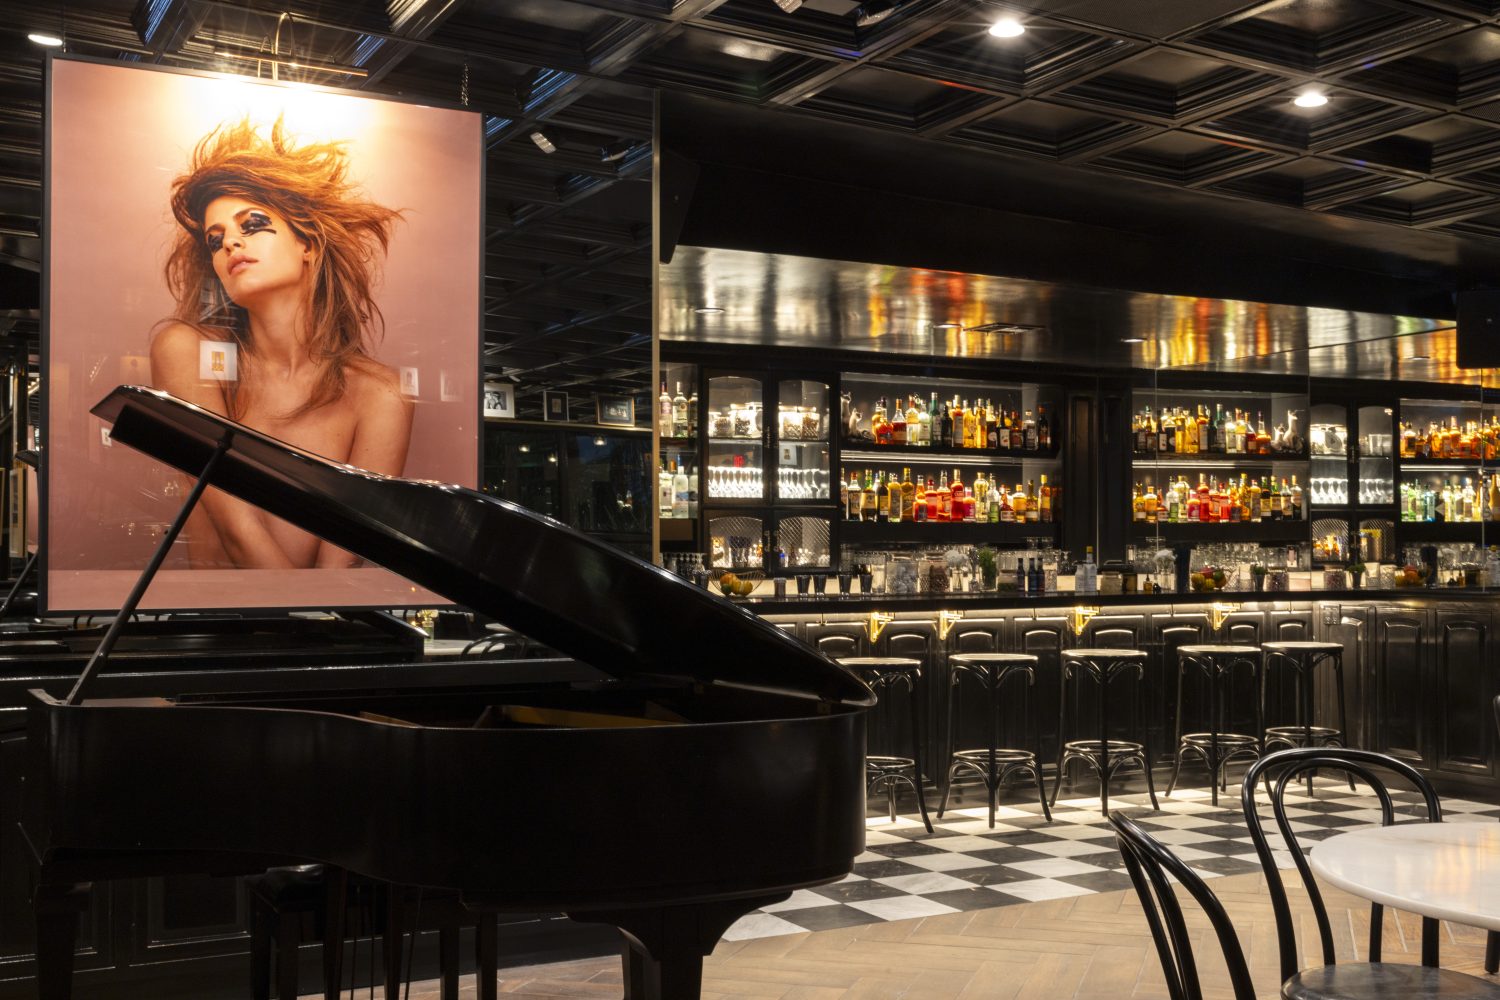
(253, 222)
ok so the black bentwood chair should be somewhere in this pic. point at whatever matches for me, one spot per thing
(1492, 942)
(1372, 980)
(1149, 863)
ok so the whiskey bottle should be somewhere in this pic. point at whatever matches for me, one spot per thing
(679, 414)
(664, 411)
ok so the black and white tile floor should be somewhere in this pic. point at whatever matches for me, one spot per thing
(965, 865)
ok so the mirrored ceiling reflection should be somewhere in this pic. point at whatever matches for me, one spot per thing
(740, 297)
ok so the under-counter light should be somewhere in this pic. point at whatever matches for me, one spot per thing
(47, 39)
(1007, 27)
(1132, 340)
(1310, 99)
(1420, 357)
(708, 310)
(945, 326)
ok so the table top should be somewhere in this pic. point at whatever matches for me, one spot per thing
(1446, 870)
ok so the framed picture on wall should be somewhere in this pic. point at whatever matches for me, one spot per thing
(618, 411)
(554, 406)
(499, 399)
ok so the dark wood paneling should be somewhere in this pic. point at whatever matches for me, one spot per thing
(1401, 637)
(1464, 688)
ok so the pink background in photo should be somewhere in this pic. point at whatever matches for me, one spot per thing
(119, 136)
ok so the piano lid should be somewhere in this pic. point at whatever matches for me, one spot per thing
(582, 597)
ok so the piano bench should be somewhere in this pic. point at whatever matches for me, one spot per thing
(284, 900)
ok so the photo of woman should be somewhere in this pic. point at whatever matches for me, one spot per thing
(305, 261)
(272, 272)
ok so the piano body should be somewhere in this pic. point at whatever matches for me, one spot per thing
(717, 766)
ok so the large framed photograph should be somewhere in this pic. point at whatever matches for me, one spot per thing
(280, 256)
(617, 411)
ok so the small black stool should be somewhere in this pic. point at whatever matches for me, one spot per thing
(884, 673)
(1216, 747)
(1105, 755)
(993, 764)
(1304, 658)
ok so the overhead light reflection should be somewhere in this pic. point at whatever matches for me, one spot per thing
(44, 38)
(1007, 27)
(1310, 99)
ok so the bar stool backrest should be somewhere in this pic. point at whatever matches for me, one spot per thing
(975, 640)
(1149, 863)
(1279, 771)
(836, 646)
(906, 643)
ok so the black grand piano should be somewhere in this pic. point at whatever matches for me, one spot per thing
(717, 766)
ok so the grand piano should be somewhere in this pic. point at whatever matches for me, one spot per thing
(715, 765)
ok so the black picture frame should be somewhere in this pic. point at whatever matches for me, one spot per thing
(615, 411)
(554, 405)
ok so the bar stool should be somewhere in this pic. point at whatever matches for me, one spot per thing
(1105, 755)
(1303, 658)
(993, 764)
(1216, 747)
(883, 674)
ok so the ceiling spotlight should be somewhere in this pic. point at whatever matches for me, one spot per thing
(44, 38)
(708, 310)
(787, 6)
(1007, 27)
(1310, 99)
(598, 442)
(543, 143)
(1132, 340)
(874, 11)
(617, 151)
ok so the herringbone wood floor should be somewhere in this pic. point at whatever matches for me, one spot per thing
(1094, 947)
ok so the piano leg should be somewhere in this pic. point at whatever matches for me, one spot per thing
(665, 945)
(394, 939)
(486, 954)
(335, 903)
(58, 908)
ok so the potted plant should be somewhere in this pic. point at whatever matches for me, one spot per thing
(1356, 574)
(989, 570)
(1257, 576)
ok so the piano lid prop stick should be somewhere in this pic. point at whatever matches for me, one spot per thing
(139, 590)
(15, 589)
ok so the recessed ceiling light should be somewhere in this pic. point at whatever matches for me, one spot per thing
(1007, 27)
(788, 6)
(1132, 340)
(44, 38)
(1310, 99)
(872, 12)
(708, 310)
(543, 143)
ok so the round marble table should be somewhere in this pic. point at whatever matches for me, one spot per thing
(1446, 870)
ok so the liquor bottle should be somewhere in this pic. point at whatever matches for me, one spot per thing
(928, 427)
(870, 500)
(1145, 435)
(1019, 501)
(991, 429)
(1017, 432)
(1195, 502)
(1246, 432)
(880, 425)
(1168, 434)
(956, 411)
(1262, 439)
(1187, 433)
(979, 499)
(1033, 503)
(844, 496)
(1029, 435)
(1086, 578)
(993, 504)
(1007, 510)
(914, 423)
(664, 411)
(679, 414)
(919, 510)
(898, 422)
(1265, 500)
(1296, 500)
(664, 484)
(971, 426)
(945, 499)
(1033, 578)
(893, 499)
(1216, 430)
(1137, 504)
(692, 494)
(1045, 499)
(1494, 501)
(908, 497)
(1020, 577)
(1043, 429)
(680, 491)
(945, 425)
(1151, 502)
(854, 505)
(957, 497)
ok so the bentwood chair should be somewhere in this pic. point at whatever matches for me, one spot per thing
(1372, 980)
(1492, 942)
(1149, 864)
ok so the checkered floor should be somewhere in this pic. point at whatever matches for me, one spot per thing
(964, 865)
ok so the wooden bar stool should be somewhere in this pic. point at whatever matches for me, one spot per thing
(1217, 746)
(1105, 755)
(886, 772)
(993, 764)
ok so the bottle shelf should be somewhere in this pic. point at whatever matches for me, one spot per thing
(1233, 531)
(1419, 464)
(939, 532)
(1446, 531)
(1219, 460)
(867, 451)
(672, 441)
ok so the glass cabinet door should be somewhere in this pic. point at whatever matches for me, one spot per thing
(735, 542)
(736, 439)
(1375, 445)
(1328, 447)
(802, 441)
(803, 541)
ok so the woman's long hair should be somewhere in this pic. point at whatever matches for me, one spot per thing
(309, 187)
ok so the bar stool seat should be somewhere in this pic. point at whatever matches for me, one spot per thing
(1106, 754)
(993, 764)
(1303, 657)
(1216, 747)
(885, 772)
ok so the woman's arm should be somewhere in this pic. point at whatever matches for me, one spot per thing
(241, 528)
(382, 435)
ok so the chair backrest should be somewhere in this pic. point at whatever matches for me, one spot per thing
(836, 646)
(1149, 863)
(1278, 771)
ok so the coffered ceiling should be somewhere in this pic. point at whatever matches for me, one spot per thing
(1195, 94)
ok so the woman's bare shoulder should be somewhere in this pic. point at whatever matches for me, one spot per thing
(371, 383)
(175, 337)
